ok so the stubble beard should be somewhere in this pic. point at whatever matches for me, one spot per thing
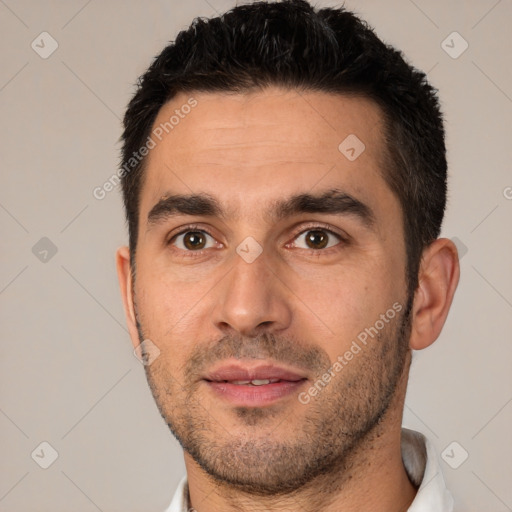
(322, 438)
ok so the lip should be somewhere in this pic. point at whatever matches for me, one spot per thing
(233, 371)
(253, 396)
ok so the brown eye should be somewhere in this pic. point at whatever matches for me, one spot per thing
(317, 239)
(193, 240)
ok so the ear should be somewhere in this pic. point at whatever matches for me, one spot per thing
(124, 275)
(438, 278)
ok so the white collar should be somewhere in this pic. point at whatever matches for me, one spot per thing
(422, 466)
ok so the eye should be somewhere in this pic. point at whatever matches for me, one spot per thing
(192, 240)
(318, 238)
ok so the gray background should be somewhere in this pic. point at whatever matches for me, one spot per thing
(68, 374)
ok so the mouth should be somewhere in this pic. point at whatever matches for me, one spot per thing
(246, 386)
(254, 382)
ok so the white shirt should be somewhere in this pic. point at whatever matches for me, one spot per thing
(422, 466)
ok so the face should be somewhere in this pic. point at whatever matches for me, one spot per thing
(265, 252)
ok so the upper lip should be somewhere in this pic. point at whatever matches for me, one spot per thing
(231, 372)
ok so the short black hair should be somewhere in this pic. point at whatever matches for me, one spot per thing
(296, 46)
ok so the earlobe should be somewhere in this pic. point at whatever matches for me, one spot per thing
(438, 278)
(125, 283)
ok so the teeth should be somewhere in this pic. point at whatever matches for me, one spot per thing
(260, 382)
(255, 382)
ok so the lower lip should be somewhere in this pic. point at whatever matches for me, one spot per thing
(255, 396)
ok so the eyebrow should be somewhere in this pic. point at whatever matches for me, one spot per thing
(334, 202)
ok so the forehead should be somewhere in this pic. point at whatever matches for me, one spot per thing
(247, 148)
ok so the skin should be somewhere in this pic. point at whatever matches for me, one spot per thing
(297, 305)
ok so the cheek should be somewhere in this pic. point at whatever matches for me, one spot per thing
(338, 305)
(168, 309)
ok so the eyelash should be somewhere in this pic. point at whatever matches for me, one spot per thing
(304, 229)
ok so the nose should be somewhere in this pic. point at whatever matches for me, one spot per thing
(252, 299)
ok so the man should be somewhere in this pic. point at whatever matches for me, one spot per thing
(284, 179)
